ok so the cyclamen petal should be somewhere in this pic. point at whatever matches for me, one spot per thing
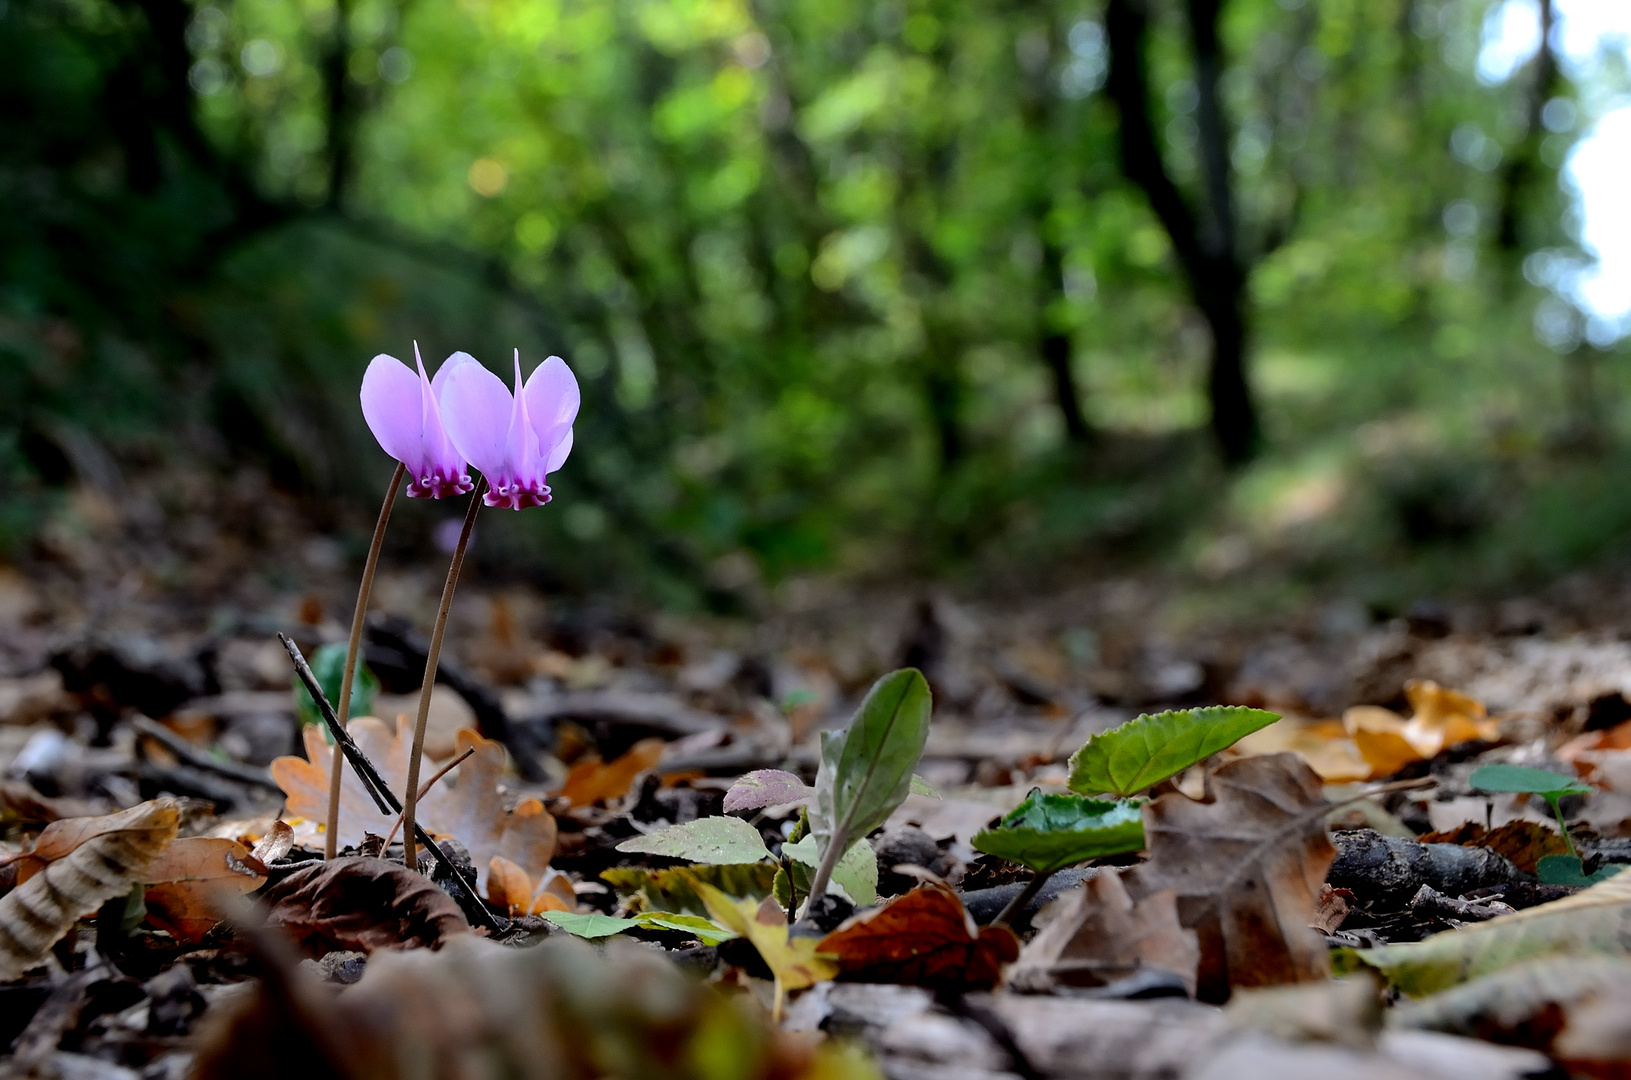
(499, 431)
(552, 403)
(401, 410)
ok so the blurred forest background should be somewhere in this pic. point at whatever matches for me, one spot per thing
(1277, 295)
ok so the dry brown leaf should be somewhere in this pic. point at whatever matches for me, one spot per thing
(1521, 843)
(278, 842)
(1096, 934)
(1444, 718)
(1333, 909)
(366, 904)
(1324, 744)
(592, 780)
(924, 938)
(188, 880)
(1248, 868)
(466, 805)
(60, 838)
(509, 886)
(104, 863)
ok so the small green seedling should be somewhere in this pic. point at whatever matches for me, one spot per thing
(328, 664)
(1147, 750)
(1551, 786)
(1047, 833)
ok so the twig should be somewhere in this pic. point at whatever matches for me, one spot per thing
(425, 788)
(409, 857)
(337, 769)
(199, 759)
(1017, 904)
(387, 802)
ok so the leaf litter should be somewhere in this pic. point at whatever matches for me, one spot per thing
(1208, 876)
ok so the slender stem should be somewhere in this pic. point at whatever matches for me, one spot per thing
(331, 840)
(424, 789)
(1026, 895)
(411, 796)
(818, 884)
(1557, 812)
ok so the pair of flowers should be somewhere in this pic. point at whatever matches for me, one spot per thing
(467, 415)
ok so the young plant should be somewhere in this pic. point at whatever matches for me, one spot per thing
(1149, 749)
(1551, 786)
(1047, 833)
(866, 770)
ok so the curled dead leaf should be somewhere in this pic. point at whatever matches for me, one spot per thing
(924, 938)
(103, 861)
(1097, 934)
(362, 904)
(592, 780)
(509, 887)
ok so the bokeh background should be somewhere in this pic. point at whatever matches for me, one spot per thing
(1282, 298)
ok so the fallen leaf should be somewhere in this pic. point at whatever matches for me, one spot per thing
(1444, 718)
(278, 842)
(466, 805)
(924, 938)
(795, 963)
(856, 870)
(102, 863)
(766, 787)
(1324, 744)
(363, 904)
(186, 882)
(675, 889)
(1147, 750)
(592, 780)
(511, 887)
(716, 841)
(1380, 737)
(61, 838)
(1594, 922)
(1332, 911)
(1521, 843)
(1097, 934)
(1248, 869)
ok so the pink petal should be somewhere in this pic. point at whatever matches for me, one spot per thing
(391, 405)
(476, 410)
(553, 400)
(557, 453)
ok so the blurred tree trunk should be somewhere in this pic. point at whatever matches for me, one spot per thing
(341, 103)
(1207, 248)
(1058, 351)
(1523, 165)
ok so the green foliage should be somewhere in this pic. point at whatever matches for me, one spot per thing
(856, 870)
(675, 890)
(1050, 832)
(595, 925)
(328, 664)
(1569, 870)
(1520, 779)
(866, 770)
(1149, 749)
(715, 841)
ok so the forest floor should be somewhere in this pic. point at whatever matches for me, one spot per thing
(144, 698)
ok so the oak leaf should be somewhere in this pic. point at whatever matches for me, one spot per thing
(1097, 934)
(186, 882)
(467, 805)
(103, 861)
(509, 886)
(363, 904)
(1248, 868)
(593, 780)
(923, 938)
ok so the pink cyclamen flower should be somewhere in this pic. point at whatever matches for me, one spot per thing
(518, 439)
(402, 411)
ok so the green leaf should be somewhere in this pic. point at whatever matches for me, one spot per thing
(714, 841)
(674, 889)
(1520, 779)
(1569, 870)
(1145, 751)
(1049, 832)
(328, 664)
(866, 770)
(706, 931)
(590, 926)
(857, 869)
(921, 786)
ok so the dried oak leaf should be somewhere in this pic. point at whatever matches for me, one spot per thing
(924, 938)
(189, 879)
(592, 780)
(1248, 868)
(466, 805)
(1097, 934)
(509, 886)
(364, 904)
(104, 861)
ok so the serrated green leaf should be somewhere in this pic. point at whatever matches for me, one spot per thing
(1147, 750)
(866, 770)
(674, 889)
(1522, 780)
(713, 841)
(593, 925)
(1569, 870)
(857, 870)
(1049, 832)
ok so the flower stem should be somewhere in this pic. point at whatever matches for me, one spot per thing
(411, 795)
(331, 838)
(1017, 905)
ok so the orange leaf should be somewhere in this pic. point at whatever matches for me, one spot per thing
(60, 838)
(508, 885)
(1445, 718)
(592, 780)
(924, 938)
(186, 882)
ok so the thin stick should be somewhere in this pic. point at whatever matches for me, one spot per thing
(1017, 905)
(371, 779)
(424, 789)
(431, 655)
(331, 841)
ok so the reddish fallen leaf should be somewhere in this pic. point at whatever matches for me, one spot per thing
(592, 780)
(1249, 868)
(924, 938)
(1522, 843)
(188, 881)
(363, 904)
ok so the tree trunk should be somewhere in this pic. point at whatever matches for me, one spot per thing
(1057, 353)
(1517, 178)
